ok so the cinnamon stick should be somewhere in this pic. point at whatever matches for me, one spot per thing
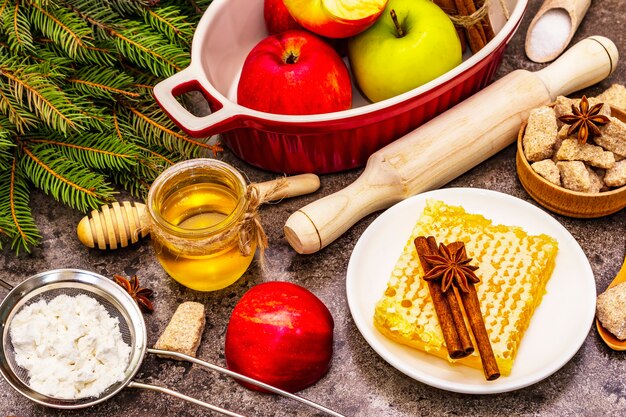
(449, 8)
(475, 33)
(486, 23)
(455, 310)
(471, 304)
(442, 308)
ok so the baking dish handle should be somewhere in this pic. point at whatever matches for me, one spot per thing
(226, 116)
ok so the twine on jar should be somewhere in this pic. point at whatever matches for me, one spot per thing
(248, 230)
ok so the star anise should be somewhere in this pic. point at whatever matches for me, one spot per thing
(140, 295)
(585, 120)
(452, 267)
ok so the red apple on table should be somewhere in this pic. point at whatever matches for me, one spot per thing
(294, 72)
(277, 18)
(281, 334)
(335, 18)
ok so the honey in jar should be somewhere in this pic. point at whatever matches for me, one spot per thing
(192, 207)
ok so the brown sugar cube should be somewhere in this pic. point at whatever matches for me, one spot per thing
(572, 150)
(615, 96)
(611, 310)
(574, 175)
(596, 182)
(616, 176)
(613, 137)
(563, 106)
(561, 136)
(184, 331)
(548, 170)
(540, 134)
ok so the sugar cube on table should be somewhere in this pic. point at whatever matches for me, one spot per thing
(184, 331)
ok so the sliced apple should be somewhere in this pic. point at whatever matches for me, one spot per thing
(335, 18)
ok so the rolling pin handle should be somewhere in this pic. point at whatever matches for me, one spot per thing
(301, 233)
(586, 63)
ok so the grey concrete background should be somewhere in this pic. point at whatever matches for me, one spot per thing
(359, 383)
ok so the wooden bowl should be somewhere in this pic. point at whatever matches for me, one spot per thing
(561, 200)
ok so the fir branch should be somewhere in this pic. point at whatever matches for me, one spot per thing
(19, 116)
(71, 32)
(43, 97)
(104, 83)
(130, 7)
(65, 180)
(97, 115)
(88, 66)
(100, 52)
(98, 14)
(4, 6)
(6, 146)
(16, 219)
(16, 26)
(100, 151)
(150, 50)
(151, 163)
(133, 183)
(138, 43)
(51, 55)
(144, 81)
(153, 125)
(6, 127)
(194, 8)
(62, 26)
(169, 21)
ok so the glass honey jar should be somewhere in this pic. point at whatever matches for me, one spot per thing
(193, 206)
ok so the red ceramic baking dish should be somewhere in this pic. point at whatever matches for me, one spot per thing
(319, 143)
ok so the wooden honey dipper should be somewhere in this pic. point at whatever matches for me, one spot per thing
(118, 225)
(114, 225)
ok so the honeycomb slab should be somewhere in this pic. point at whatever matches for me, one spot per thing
(514, 268)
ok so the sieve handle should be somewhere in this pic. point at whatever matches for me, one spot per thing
(5, 284)
(177, 355)
(176, 394)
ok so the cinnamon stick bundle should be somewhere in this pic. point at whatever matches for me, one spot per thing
(449, 313)
(471, 305)
(479, 32)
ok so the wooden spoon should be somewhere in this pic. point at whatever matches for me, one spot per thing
(611, 341)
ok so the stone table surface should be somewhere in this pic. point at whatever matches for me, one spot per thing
(359, 383)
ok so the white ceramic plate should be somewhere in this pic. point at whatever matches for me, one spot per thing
(556, 332)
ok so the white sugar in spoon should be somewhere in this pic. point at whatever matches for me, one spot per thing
(553, 27)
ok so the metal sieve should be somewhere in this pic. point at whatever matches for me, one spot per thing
(119, 304)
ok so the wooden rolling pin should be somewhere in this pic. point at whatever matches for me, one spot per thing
(450, 144)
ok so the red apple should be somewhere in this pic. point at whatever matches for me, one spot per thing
(294, 72)
(335, 18)
(277, 18)
(281, 334)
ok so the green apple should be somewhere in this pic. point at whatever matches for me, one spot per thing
(411, 43)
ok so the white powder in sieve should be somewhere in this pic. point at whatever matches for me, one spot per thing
(550, 33)
(70, 347)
